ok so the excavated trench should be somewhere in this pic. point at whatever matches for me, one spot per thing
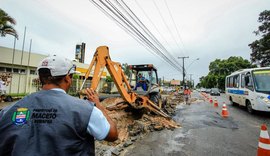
(133, 124)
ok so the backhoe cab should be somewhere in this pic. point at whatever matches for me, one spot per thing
(144, 81)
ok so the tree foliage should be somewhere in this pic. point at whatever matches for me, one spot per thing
(219, 69)
(109, 79)
(6, 24)
(261, 48)
(126, 69)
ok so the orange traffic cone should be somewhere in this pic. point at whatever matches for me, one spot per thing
(216, 103)
(211, 101)
(224, 112)
(264, 142)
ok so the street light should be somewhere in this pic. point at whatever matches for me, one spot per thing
(192, 62)
(189, 66)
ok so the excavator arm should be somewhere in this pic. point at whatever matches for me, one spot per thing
(101, 59)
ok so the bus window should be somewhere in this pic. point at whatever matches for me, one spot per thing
(249, 82)
(242, 80)
(236, 81)
(231, 82)
(262, 81)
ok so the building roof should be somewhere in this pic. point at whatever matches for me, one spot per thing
(19, 58)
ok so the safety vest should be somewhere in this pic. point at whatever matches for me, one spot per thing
(47, 123)
(187, 92)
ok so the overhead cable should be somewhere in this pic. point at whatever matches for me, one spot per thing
(133, 26)
(167, 26)
(178, 34)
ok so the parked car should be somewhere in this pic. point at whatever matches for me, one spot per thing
(215, 91)
(222, 91)
(208, 91)
(202, 90)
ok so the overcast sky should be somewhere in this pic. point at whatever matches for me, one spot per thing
(208, 30)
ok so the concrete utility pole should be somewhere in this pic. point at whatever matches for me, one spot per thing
(183, 68)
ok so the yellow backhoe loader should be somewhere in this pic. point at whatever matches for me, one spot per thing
(149, 100)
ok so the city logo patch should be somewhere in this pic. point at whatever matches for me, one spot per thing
(21, 116)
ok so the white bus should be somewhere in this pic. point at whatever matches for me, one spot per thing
(250, 88)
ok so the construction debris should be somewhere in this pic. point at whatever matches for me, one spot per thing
(133, 125)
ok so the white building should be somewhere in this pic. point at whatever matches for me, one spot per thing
(22, 69)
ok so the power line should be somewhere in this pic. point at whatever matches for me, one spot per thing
(147, 31)
(178, 34)
(146, 39)
(123, 27)
(149, 19)
(137, 30)
(167, 26)
(129, 26)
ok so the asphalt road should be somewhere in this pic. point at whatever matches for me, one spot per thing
(205, 133)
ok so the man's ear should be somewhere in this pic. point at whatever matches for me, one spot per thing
(66, 79)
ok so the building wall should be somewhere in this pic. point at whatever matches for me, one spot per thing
(22, 68)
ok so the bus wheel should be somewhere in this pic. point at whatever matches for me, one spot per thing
(249, 107)
(231, 101)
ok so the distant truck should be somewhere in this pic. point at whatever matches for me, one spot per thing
(250, 88)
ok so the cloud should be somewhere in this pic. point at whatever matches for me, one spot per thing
(209, 29)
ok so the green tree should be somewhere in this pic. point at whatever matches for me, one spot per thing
(219, 69)
(126, 69)
(261, 48)
(6, 24)
(109, 79)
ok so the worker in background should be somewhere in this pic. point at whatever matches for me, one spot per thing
(51, 122)
(141, 82)
(187, 95)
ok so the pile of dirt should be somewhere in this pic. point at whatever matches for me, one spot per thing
(132, 125)
(170, 103)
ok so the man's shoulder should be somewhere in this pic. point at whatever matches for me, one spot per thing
(57, 94)
(65, 100)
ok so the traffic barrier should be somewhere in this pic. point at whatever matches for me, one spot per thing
(224, 112)
(264, 142)
(215, 103)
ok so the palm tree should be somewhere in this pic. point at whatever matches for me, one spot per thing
(6, 24)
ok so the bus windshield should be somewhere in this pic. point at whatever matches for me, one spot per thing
(262, 80)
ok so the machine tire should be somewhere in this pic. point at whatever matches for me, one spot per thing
(249, 107)
(156, 98)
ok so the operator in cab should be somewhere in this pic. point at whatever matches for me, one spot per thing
(141, 82)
